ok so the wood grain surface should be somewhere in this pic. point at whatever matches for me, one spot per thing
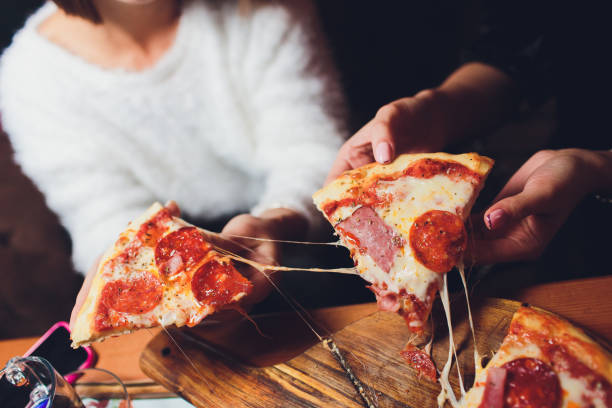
(586, 302)
(236, 366)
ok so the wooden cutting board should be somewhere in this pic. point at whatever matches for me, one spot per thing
(235, 366)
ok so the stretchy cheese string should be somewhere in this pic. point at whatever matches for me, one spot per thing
(327, 341)
(282, 241)
(263, 268)
(477, 358)
(447, 392)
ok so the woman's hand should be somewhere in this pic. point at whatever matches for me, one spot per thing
(473, 99)
(407, 125)
(275, 224)
(536, 201)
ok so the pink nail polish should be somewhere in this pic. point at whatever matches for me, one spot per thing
(382, 152)
(496, 219)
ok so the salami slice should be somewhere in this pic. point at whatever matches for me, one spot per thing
(135, 296)
(218, 283)
(493, 396)
(372, 236)
(438, 239)
(180, 250)
(531, 383)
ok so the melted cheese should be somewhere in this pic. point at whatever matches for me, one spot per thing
(477, 357)
(447, 393)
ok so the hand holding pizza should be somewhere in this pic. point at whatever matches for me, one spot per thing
(474, 98)
(537, 200)
(278, 223)
(407, 125)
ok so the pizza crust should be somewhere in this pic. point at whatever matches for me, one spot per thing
(83, 332)
(338, 188)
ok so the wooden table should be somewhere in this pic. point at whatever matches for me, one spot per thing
(587, 302)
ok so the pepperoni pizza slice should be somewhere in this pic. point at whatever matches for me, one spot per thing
(161, 271)
(404, 224)
(545, 362)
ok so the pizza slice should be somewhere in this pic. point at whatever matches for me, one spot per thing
(404, 224)
(545, 362)
(161, 271)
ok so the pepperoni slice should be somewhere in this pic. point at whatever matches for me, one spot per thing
(420, 361)
(438, 239)
(135, 296)
(180, 250)
(531, 383)
(217, 283)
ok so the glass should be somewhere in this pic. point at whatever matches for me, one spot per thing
(31, 382)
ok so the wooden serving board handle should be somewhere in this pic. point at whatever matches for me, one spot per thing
(235, 366)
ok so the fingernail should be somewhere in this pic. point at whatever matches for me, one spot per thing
(382, 152)
(496, 219)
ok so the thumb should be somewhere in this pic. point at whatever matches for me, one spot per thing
(514, 208)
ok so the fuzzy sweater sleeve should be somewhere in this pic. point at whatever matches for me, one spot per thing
(295, 103)
(93, 198)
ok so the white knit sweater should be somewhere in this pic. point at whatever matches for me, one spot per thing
(237, 116)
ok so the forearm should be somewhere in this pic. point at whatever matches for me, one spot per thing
(597, 170)
(474, 99)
